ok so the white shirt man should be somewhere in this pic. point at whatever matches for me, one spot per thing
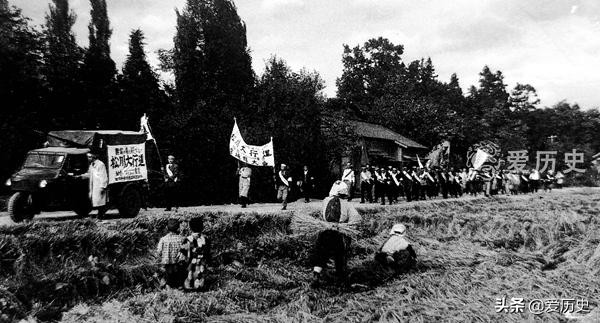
(348, 177)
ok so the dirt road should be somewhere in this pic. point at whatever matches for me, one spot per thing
(259, 207)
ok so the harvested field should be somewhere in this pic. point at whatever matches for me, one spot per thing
(471, 252)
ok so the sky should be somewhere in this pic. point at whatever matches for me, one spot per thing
(553, 45)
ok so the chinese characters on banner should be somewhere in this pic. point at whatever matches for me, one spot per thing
(127, 163)
(252, 155)
(545, 161)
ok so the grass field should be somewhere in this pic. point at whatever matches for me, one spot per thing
(471, 252)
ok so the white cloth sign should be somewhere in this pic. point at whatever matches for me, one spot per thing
(480, 158)
(127, 163)
(145, 127)
(252, 155)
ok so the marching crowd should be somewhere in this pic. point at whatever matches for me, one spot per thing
(380, 183)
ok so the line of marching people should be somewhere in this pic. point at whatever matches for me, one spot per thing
(380, 184)
(512, 182)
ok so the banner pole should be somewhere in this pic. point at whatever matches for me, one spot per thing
(155, 143)
(274, 164)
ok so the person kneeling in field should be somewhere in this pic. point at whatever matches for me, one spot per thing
(332, 243)
(168, 250)
(196, 252)
(397, 253)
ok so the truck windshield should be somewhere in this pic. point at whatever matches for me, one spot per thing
(38, 160)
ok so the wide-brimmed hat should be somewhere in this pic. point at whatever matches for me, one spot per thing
(398, 228)
(338, 188)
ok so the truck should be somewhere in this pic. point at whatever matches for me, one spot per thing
(50, 178)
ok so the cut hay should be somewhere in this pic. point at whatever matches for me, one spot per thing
(305, 224)
(469, 252)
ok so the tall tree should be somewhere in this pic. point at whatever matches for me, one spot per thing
(454, 84)
(491, 117)
(21, 88)
(523, 98)
(229, 62)
(376, 83)
(4, 5)
(292, 103)
(213, 76)
(140, 89)
(62, 58)
(99, 69)
(367, 69)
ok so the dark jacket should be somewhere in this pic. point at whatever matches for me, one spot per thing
(307, 179)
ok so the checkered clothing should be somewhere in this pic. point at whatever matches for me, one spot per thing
(169, 247)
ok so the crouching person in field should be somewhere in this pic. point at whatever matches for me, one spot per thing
(331, 243)
(168, 250)
(397, 253)
(196, 252)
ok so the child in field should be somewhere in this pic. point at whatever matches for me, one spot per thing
(168, 250)
(397, 252)
(196, 251)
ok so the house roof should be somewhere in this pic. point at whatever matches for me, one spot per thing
(371, 130)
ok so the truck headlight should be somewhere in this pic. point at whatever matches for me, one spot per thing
(8, 182)
(43, 183)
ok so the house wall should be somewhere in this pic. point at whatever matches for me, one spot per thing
(382, 150)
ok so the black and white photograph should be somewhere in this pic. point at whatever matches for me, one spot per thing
(299, 161)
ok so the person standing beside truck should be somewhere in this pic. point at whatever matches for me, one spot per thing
(98, 183)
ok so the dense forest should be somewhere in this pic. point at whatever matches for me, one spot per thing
(47, 81)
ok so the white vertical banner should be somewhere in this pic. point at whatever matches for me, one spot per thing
(249, 154)
(145, 127)
(480, 158)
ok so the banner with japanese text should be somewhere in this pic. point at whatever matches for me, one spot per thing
(127, 163)
(249, 154)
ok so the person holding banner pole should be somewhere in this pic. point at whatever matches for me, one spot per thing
(245, 174)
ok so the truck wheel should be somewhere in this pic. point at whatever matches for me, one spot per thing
(20, 207)
(82, 208)
(130, 202)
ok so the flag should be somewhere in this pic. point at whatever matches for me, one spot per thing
(249, 154)
(145, 127)
(480, 158)
(419, 161)
(439, 156)
(364, 156)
